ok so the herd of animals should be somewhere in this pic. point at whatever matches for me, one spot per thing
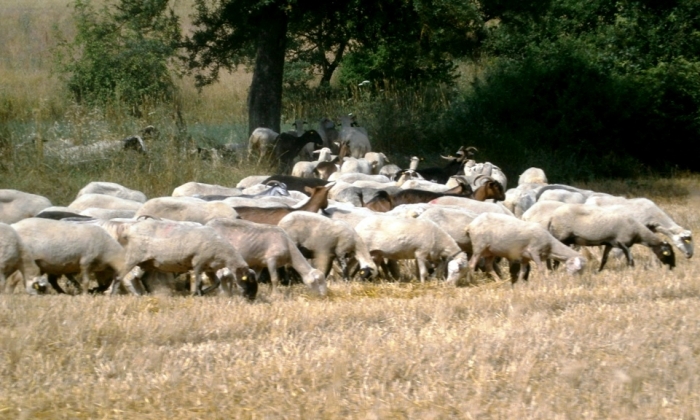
(349, 206)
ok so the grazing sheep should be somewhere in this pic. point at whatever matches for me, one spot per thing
(519, 200)
(261, 141)
(272, 216)
(191, 189)
(14, 256)
(265, 246)
(351, 215)
(419, 239)
(102, 201)
(114, 189)
(67, 248)
(186, 209)
(541, 212)
(590, 225)
(107, 214)
(651, 216)
(452, 221)
(390, 171)
(174, 247)
(324, 239)
(496, 235)
(355, 136)
(17, 205)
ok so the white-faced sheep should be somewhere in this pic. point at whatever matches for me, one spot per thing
(268, 246)
(323, 239)
(305, 169)
(14, 256)
(67, 248)
(114, 189)
(590, 225)
(651, 216)
(186, 209)
(496, 235)
(17, 205)
(356, 165)
(377, 160)
(174, 247)
(419, 239)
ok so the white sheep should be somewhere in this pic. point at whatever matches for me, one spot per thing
(186, 209)
(356, 165)
(261, 141)
(324, 239)
(496, 235)
(519, 200)
(174, 247)
(191, 189)
(107, 214)
(421, 184)
(349, 214)
(268, 246)
(377, 160)
(591, 225)
(66, 248)
(103, 201)
(541, 212)
(114, 189)
(452, 220)
(14, 256)
(390, 171)
(305, 169)
(251, 180)
(419, 239)
(532, 176)
(352, 177)
(17, 205)
(472, 205)
(650, 215)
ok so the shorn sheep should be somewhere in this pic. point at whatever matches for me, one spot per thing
(419, 239)
(173, 247)
(268, 246)
(17, 205)
(14, 256)
(497, 235)
(324, 239)
(590, 225)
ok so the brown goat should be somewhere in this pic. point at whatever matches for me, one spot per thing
(413, 196)
(381, 202)
(272, 215)
(489, 189)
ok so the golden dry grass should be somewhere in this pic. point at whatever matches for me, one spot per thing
(620, 344)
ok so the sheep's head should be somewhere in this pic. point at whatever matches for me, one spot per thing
(247, 283)
(317, 281)
(684, 242)
(665, 253)
(575, 265)
(457, 268)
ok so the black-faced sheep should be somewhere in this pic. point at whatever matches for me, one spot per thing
(590, 225)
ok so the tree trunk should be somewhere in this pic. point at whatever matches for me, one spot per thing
(265, 95)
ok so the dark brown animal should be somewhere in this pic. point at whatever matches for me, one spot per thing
(491, 189)
(287, 146)
(272, 215)
(441, 175)
(412, 196)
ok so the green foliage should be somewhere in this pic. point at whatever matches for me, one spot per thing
(121, 53)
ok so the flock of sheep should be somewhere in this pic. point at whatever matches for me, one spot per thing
(350, 206)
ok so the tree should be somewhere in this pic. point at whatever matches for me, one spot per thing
(417, 34)
(121, 53)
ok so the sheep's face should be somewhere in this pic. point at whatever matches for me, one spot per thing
(457, 268)
(665, 254)
(575, 265)
(37, 285)
(684, 242)
(317, 282)
(247, 283)
(367, 272)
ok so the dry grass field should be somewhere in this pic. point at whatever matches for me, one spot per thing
(624, 343)
(620, 344)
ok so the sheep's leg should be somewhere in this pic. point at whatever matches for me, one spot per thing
(514, 268)
(394, 268)
(215, 282)
(604, 260)
(422, 269)
(73, 281)
(524, 270)
(538, 262)
(274, 275)
(496, 268)
(628, 254)
(53, 281)
(324, 263)
(196, 282)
